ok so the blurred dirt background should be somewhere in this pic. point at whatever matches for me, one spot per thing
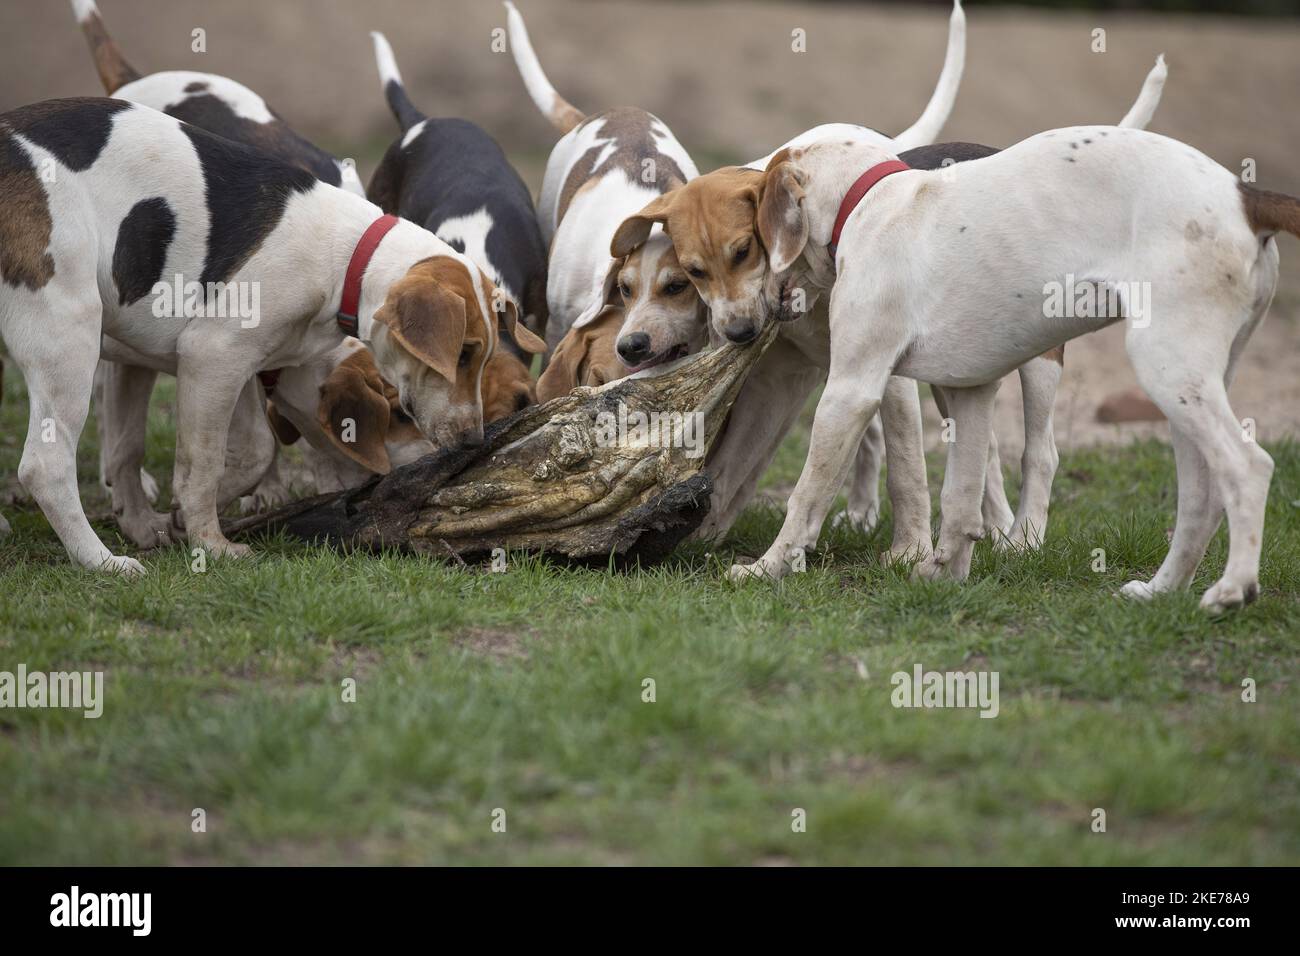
(723, 76)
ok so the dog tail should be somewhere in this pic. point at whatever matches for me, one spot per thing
(1269, 213)
(562, 114)
(114, 71)
(1144, 107)
(390, 81)
(926, 129)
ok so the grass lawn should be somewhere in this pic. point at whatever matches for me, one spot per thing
(523, 691)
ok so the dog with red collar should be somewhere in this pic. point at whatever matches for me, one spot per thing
(106, 201)
(955, 277)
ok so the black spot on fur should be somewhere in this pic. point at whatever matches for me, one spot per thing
(938, 155)
(198, 86)
(215, 115)
(1069, 159)
(454, 169)
(246, 193)
(143, 239)
(74, 130)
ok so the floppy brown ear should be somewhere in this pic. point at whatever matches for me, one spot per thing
(355, 416)
(429, 322)
(522, 335)
(608, 297)
(564, 371)
(634, 230)
(286, 432)
(782, 222)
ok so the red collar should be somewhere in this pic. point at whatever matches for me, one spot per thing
(366, 246)
(859, 189)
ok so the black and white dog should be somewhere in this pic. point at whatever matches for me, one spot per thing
(103, 198)
(451, 177)
(227, 108)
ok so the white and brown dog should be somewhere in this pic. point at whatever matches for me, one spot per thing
(723, 206)
(604, 168)
(645, 278)
(104, 199)
(949, 277)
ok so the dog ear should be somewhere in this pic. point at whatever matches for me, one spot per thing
(286, 432)
(507, 387)
(634, 230)
(354, 412)
(521, 333)
(429, 322)
(607, 297)
(782, 221)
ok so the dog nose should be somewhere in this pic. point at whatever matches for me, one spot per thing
(742, 332)
(634, 347)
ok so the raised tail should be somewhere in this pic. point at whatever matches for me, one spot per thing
(1144, 107)
(1269, 213)
(562, 114)
(114, 71)
(927, 129)
(390, 81)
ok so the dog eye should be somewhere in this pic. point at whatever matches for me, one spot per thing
(625, 289)
(741, 254)
(696, 272)
(465, 355)
(675, 288)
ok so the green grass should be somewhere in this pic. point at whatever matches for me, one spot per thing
(523, 691)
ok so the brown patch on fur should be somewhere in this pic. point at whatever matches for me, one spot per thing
(1056, 355)
(634, 140)
(353, 400)
(1269, 212)
(507, 387)
(708, 218)
(25, 222)
(585, 356)
(433, 312)
(286, 432)
(114, 71)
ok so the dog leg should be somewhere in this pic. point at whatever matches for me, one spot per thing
(206, 395)
(148, 485)
(995, 509)
(905, 480)
(1039, 378)
(60, 372)
(1199, 513)
(123, 413)
(1191, 392)
(250, 447)
(964, 478)
(852, 396)
(862, 511)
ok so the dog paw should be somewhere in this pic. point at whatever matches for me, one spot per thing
(906, 553)
(150, 487)
(148, 530)
(264, 498)
(930, 568)
(226, 549)
(1138, 591)
(120, 564)
(1226, 595)
(1021, 537)
(748, 572)
(4, 527)
(856, 520)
